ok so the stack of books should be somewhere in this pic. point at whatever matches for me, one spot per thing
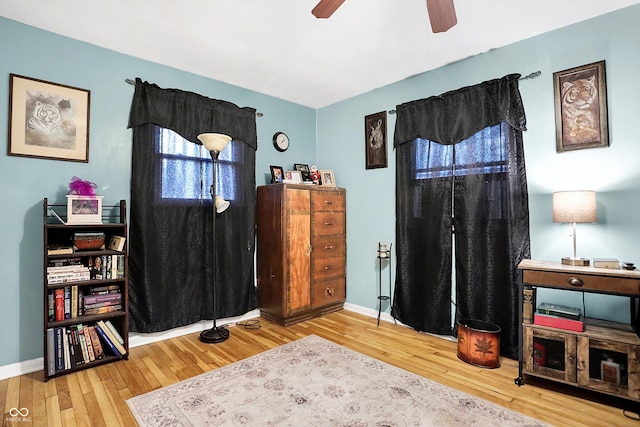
(559, 316)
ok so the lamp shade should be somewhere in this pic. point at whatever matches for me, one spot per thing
(214, 141)
(574, 206)
(221, 204)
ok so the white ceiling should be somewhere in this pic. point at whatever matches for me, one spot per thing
(278, 48)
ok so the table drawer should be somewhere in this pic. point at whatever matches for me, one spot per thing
(581, 281)
(327, 201)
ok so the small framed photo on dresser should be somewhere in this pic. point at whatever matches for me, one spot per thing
(277, 174)
(327, 178)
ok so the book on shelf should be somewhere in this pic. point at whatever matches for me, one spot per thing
(59, 250)
(559, 310)
(606, 263)
(558, 322)
(95, 343)
(51, 359)
(114, 331)
(88, 342)
(59, 304)
(59, 262)
(116, 243)
(101, 298)
(102, 310)
(120, 347)
(58, 352)
(105, 338)
(108, 289)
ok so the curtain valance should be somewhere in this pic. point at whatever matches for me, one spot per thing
(187, 113)
(474, 108)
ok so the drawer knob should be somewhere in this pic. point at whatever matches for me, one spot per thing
(329, 292)
(328, 202)
(574, 281)
(327, 267)
(328, 223)
(328, 247)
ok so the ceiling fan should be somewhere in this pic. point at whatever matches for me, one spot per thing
(442, 13)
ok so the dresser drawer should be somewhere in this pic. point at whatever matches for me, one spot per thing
(327, 223)
(327, 201)
(328, 292)
(581, 281)
(327, 268)
(329, 246)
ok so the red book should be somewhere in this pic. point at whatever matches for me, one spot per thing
(59, 304)
(558, 322)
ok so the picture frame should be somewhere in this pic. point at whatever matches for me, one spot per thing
(84, 210)
(375, 141)
(277, 174)
(304, 171)
(580, 101)
(292, 177)
(48, 120)
(327, 178)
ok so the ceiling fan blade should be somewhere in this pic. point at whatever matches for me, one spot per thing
(442, 15)
(325, 8)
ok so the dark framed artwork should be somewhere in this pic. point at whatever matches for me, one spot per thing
(580, 99)
(277, 174)
(375, 131)
(48, 120)
(304, 171)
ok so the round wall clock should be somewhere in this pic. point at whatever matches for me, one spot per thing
(280, 141)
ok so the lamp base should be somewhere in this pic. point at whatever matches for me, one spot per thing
(581, 262)
(214, 335)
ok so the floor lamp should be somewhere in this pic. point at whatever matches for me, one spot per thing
(215, 143)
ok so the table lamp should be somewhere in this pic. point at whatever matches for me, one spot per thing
(574, 207)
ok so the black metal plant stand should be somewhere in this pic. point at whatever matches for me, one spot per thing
(383, 253)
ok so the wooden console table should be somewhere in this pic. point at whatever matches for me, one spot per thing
(575, 357)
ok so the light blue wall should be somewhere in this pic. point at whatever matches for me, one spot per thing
(332, 138)
(26, 181)
(613, 172)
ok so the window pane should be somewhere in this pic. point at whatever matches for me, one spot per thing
(482, 153)
(186, 169)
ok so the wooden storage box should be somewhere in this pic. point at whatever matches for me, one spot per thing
(88, 241)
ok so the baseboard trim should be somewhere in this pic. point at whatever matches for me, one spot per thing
(138, 339)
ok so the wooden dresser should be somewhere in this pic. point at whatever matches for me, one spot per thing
(301, 262)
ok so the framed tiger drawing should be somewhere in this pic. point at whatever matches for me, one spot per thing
(48, 120)
(580, 100)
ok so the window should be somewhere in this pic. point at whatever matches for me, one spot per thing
(185, 168)
(481, 153)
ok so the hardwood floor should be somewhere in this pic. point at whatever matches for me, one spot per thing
(96, 397)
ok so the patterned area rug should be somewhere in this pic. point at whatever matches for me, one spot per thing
(314, 382)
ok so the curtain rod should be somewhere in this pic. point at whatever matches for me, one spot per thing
(133, 82)
(533, 75)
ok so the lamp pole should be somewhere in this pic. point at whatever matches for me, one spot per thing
(215, 334)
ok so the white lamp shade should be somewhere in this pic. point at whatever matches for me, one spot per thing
(214, 141)
(574, 206)
(221, 204)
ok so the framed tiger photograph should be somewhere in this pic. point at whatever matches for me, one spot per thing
(48, 120)
(580, 100)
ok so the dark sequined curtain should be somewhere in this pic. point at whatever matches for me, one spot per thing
(170, 242)
(485, 203)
